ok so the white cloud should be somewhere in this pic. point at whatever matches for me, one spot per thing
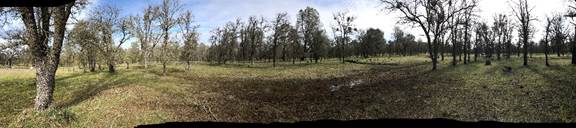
(214, 13)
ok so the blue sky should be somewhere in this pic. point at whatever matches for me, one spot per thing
(210, 14)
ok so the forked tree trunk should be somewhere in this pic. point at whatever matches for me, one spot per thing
(46, 58)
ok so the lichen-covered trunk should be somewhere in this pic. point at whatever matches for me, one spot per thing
(46, 57)
(44, 86)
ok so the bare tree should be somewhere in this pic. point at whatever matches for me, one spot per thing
(14, 47)
(108, 21)
(431, 16)
(454, 33)
(523, 11)
(467, 22)
(500, 29)
(505, 30)
(143, 29)
(345, 27)
(572, 14)
(559, 33)
(252, 37)
(166, 14)
(190, 36)
(281, 27)
(546, 38)
(295, 44)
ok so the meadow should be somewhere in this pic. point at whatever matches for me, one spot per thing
(371, 88)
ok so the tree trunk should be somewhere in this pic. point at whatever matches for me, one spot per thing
(476, 52)
(442, 46)
(46, 58)
(558, 49)
(488, 51)
(508, 49)
(573, 49)
(164, 68)
(111, 68)
(44, 86)
(92, 66)
(164, 51)
(546, 52)
(146, 54)
(435, 55)
(274, 52)
(454, 47)
(187, 65)
(525, 51)
(9, 62)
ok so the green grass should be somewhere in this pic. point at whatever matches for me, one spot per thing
(510, 97)
(393, 87)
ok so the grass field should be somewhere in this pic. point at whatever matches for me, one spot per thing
(386, 87)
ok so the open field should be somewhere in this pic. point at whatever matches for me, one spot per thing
(386, 87)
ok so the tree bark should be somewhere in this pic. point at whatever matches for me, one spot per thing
(46, 58)
(525, 49)
(111, 68)
(546, 52)
(9, 62)
(165, 50)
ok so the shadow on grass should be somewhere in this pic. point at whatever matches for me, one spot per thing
(262, 65)
(371, 63)
(75, 75)
(560, 76)
(93, 88)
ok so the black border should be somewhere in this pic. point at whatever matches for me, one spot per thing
(33, 3)
(371, 123)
